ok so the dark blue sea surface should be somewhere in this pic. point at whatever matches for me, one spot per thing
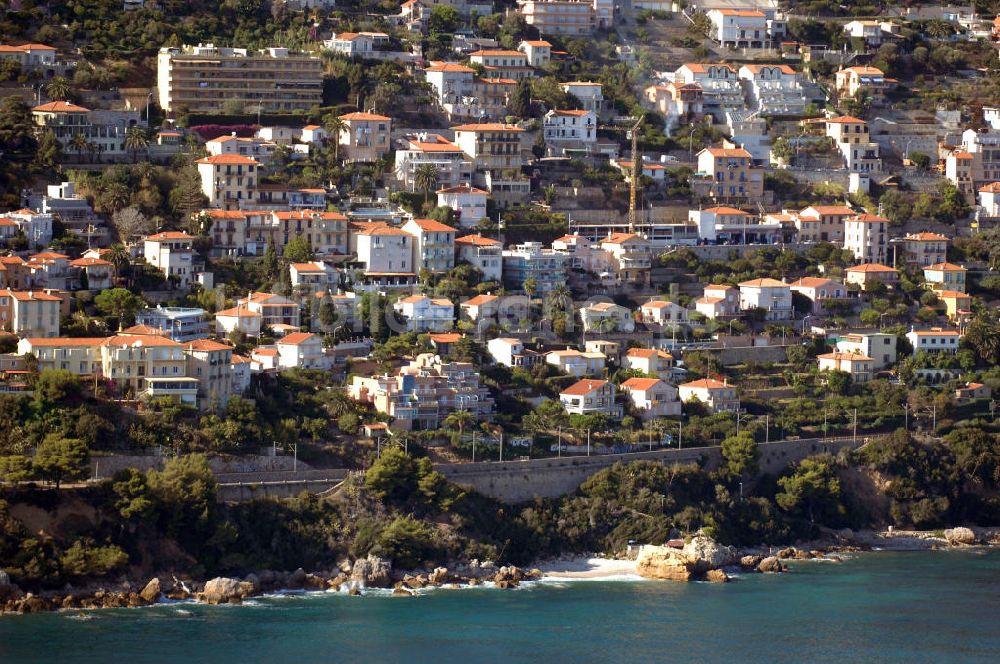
(874, 607)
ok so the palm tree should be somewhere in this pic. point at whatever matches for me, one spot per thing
(119, 258)
(425, 178)
(79, 143)
(458, 419)
(559, 298)
(91, 151)
(58, 89)
(333, 125)
(136, 139)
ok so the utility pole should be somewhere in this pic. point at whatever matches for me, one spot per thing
(650, 435)
(588, 442)
(855, 426)
(295, 458)
(559, 443)
(501, 446)
(680, 432)
(636, 170)
(473, 446)
(767, 429)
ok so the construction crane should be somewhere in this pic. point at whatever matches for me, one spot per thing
(630, 124)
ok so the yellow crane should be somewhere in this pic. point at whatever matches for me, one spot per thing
(630, 124)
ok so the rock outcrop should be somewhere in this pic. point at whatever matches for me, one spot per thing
(960, 536)
(663, 562)
(221, 590)
(439, 576)
(771, 564)
(151, 593)
(372, 572)
(716, 576)
(705, 553)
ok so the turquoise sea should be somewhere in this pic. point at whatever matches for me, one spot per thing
(876, 607)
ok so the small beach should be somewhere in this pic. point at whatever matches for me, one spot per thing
(588, 568)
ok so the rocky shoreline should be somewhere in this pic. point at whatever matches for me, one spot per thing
(700, 558)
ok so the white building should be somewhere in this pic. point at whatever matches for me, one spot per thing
(774, 89)
(314, 275)
(934, 340)
(652, 397)
(301, 350)
(663, 312)
(425, 314)
(607, 317)
(879, 346)
(589, 94)
(433, 245)
(718, 300)
(454, 84)
(483, 253)
(511, 352)
(171, 252)
(860, 367)
(867, 236)
(539, 52)
(567, 131)
(770, 295)
(577, 363)
(852, 138)
(453, 167)
(590, 397)
(468, 203)
(229, 181)
(746, 28)
(717, 395)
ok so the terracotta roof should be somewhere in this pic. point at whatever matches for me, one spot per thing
(89, 262)
(479, 300)
(446, 337)
(59, 107)
(477, 240)
(140, 340)
(242, 312)
(763, 283)
(462, 189)
(451, 67)
(640, 384)
(384, 230)
(845, 119)
(365, 116)
(869, 219)
(497, 52)
(811, 282)
(785, 69)
(701, 67)
(646, 166)
(992, 188)
(32, 296)
(728, 152)
(850, 357)
(953, 295)
(145, 330)
(705, 383)
(65, 341)
(573, 113)
(307, 267)
(170, 235)
(830, 209)
(727, 210)
(584, 387)
(487, 126)
(946, 267)
(926, 237)
(433, 225)
(749, 13)
(871, 267)
(206, 345)
(537, 42)
(296, 338)
(936, 333)
(864, 71)
(227, 159)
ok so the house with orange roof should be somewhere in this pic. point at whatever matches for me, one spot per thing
(14, 272)
(454, 85)
(50, 269)
(606, 317)
(467, 202)
(577, 363)
(860, 367)
(630, 257)
(512, 352)
(945, 276)
(302, 350)
(229, 181)
(652, 397)
(728, 174)
(247, 146)
(30, 56)
(822, 223)
(926, 249)
(454, 167)
(483, 253)
(746, 28)
(971, 392)
(503, 63)
(481, 307)
(433, 245)
(426, 314)
(871, 275)
(774, 89)
(718, 301)
(79, 355)
(869, 81)
(211, 363)
(569, 131)
(104, 128)
(771, 296)
(238, 319)
(384, 249)
(365, 137)
(171, 252)
(590, 397)
(312, 275)
(365, 45)
(147, 367)
(240, 368)
(718, 395)
(493, 146)
(273, 309)
(852, 138)
(96, 273)
(663, 312)
(589, 93)
(867, 236)
(30, 313)
(989, 200)
(650, 361)
(819, 291)
(935, 339)
(880, 346)
(37, 226)
(538, 52)
(559, 17)
(958, 305)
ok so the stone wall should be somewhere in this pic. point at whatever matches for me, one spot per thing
(106, 466)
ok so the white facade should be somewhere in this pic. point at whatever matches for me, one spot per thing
(567, 130)
(468, 202)
(424, 314)
(453, 167)
(171, 252)
(771, 295)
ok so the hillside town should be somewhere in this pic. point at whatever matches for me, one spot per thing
(576, 224)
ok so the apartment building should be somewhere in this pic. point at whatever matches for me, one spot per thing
(852, 138)
(182, 324)
(589, 94)
(500, 63)
(422, 394)
(822, 223)
(492, 146)
(37, 226)
(171, 252)
(30, 313)
(606, 317)
(453, 167)
(210, 362)
(326, 232)
(538, 51)
(493, 96)
(229, 181)
(945, 277)
(386, 256)
(206, 78)
(773, 89)
(569, 131)
(630, 256)
(770, 295)
(104, 131)
(719, 86)
(301, 350)
(147, 367)
(718, 301)
(433, 245)
(559, 17)
(530, 263)
(590, 397)
(872, 275)
(863, 80)
(365, 137)
(924, 249)
(483, 253)
(746, 28)
(729, 174)
(819, 291)
(454, 84)
(934, 340)
(867, 236)
(79, 355)
(95, 273)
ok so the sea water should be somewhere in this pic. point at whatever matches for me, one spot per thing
(873, 607)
